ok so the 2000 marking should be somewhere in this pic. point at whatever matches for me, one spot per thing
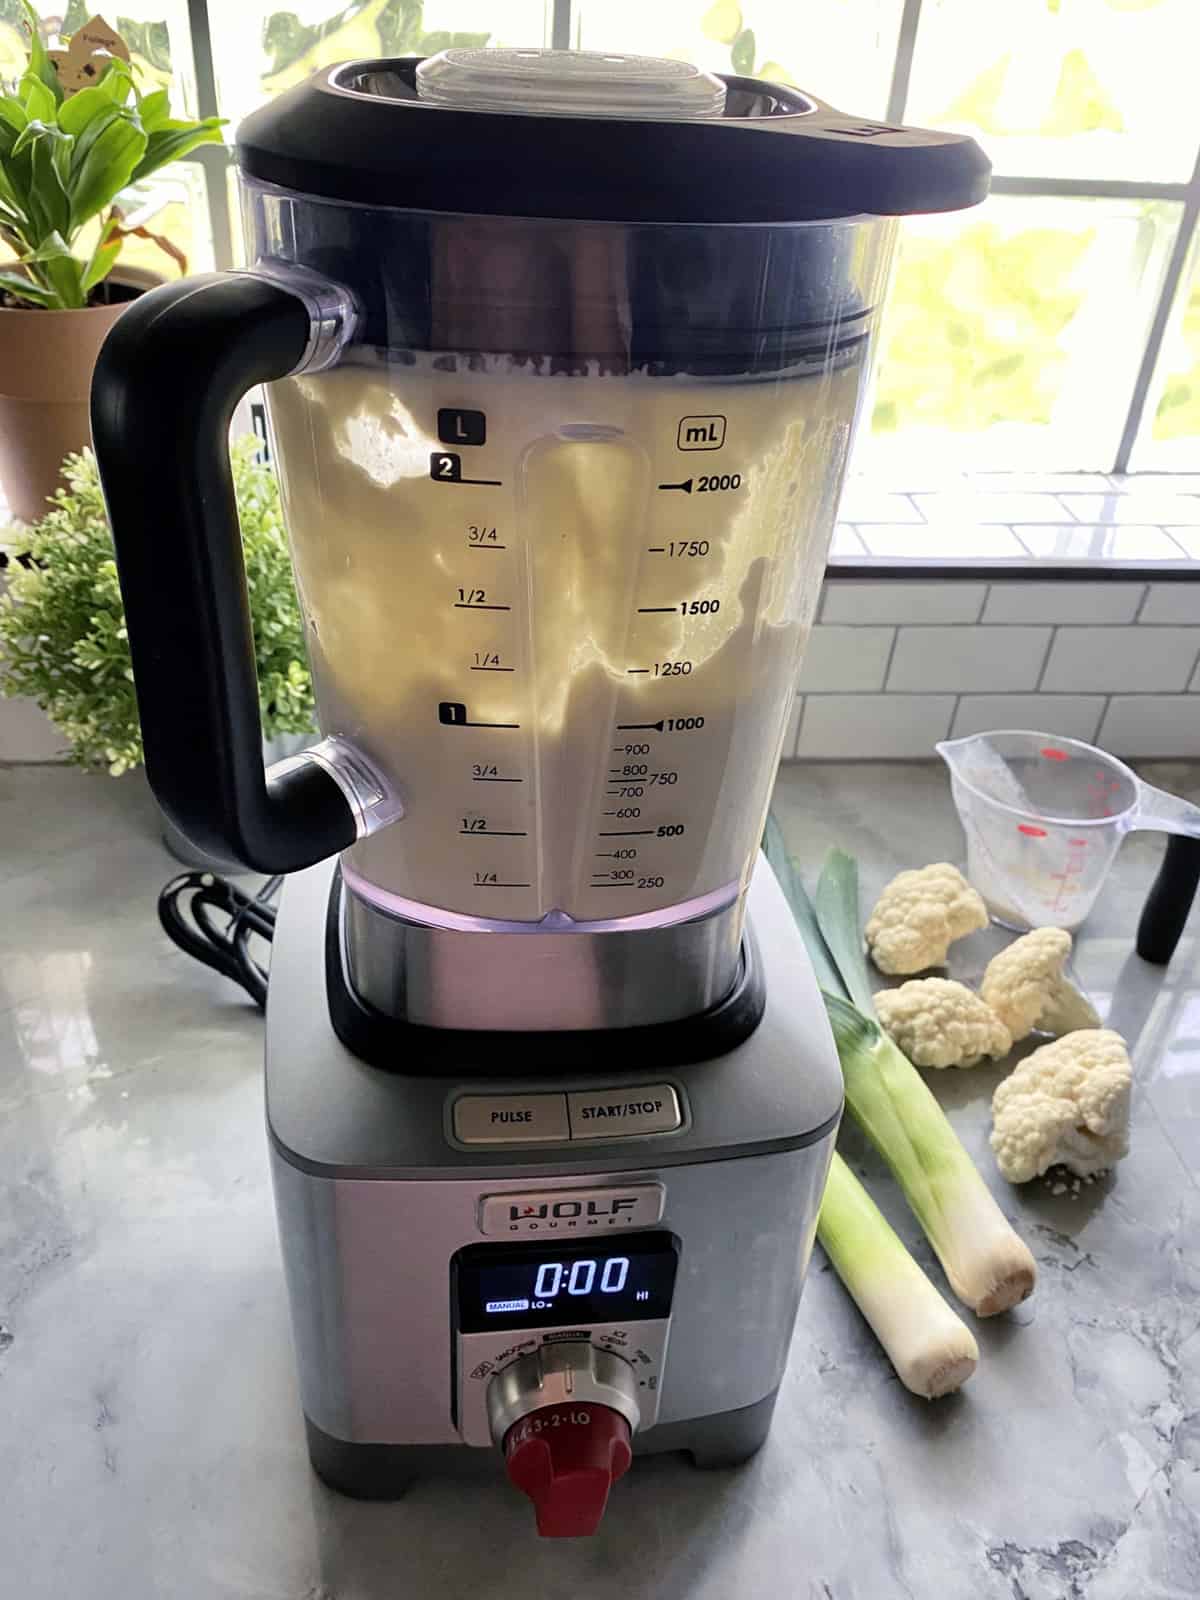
(727, 480)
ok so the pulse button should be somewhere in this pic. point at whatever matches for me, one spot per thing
(624, 1113)
(510, 1118)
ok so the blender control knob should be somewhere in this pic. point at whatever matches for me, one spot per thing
(566, 1458)
(564, 1415)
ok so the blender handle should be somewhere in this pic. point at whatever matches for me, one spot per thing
(172, 369)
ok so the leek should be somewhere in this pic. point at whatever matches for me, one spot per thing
(988, 1267)
(931, 1349)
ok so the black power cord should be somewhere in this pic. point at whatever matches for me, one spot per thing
(214, 921)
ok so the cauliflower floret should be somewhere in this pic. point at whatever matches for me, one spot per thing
(1067, 1103)
(918, 917)
(938, 1023)
(1025, 986)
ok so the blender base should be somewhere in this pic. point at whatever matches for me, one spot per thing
(385, 1192)
(388, 1471)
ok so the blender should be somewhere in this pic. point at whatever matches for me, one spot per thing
(564, 354)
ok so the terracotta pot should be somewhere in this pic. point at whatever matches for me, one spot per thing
(46, 361)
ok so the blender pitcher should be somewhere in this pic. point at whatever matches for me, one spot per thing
(564, 354)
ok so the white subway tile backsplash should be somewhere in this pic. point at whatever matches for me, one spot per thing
(861, 503)
(1189, 540)
(846, 542)
(1041, 482)
(845, 659)
(1077, 716)
(1065, 602)
(1112, 660)
(966, 510)
(891, 726)
(1134, 505)
(1156, 482)
(1172, 602)
(901, 601)
(947, 541)
(965, 659)
(1103, 544)
(1151, 725)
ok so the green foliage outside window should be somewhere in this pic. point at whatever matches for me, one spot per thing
(375, 28)
(973, 328)
(1178, 414)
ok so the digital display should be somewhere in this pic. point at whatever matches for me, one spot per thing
(549, 1284)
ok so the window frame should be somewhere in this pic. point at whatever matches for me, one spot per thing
(562, 29)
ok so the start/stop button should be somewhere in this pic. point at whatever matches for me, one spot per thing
(624, 1113)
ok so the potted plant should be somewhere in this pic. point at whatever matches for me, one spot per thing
(66, 153)
(62, 623)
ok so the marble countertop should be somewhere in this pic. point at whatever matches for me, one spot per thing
(151, 1438)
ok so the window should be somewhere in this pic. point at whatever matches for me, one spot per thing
(1057, 326)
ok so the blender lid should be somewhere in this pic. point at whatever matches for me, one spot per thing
(595, 137)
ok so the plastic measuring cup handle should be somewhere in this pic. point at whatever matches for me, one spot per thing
(1160, 812)
(1170, 900)
(1165, 913)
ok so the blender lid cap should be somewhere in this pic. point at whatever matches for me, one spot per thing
(595, 137)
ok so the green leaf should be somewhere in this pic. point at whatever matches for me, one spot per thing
(115, 81)
(743, 52)
(25, 289)
(37, 98)
(51, 248)
(84, 105)
(40, 64)
(837, 917)
(84, 141)
(12, 113)
(108, 165)
(154, 109)
(34, 130)
(65, 276)
(170, 140)
(48, 184)
(103, 260)
(787, 870)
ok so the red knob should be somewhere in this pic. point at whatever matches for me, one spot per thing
(566, 1458)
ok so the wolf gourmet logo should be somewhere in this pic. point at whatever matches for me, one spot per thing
(572, 1210)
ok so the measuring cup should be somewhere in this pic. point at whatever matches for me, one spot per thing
(1043, 816)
